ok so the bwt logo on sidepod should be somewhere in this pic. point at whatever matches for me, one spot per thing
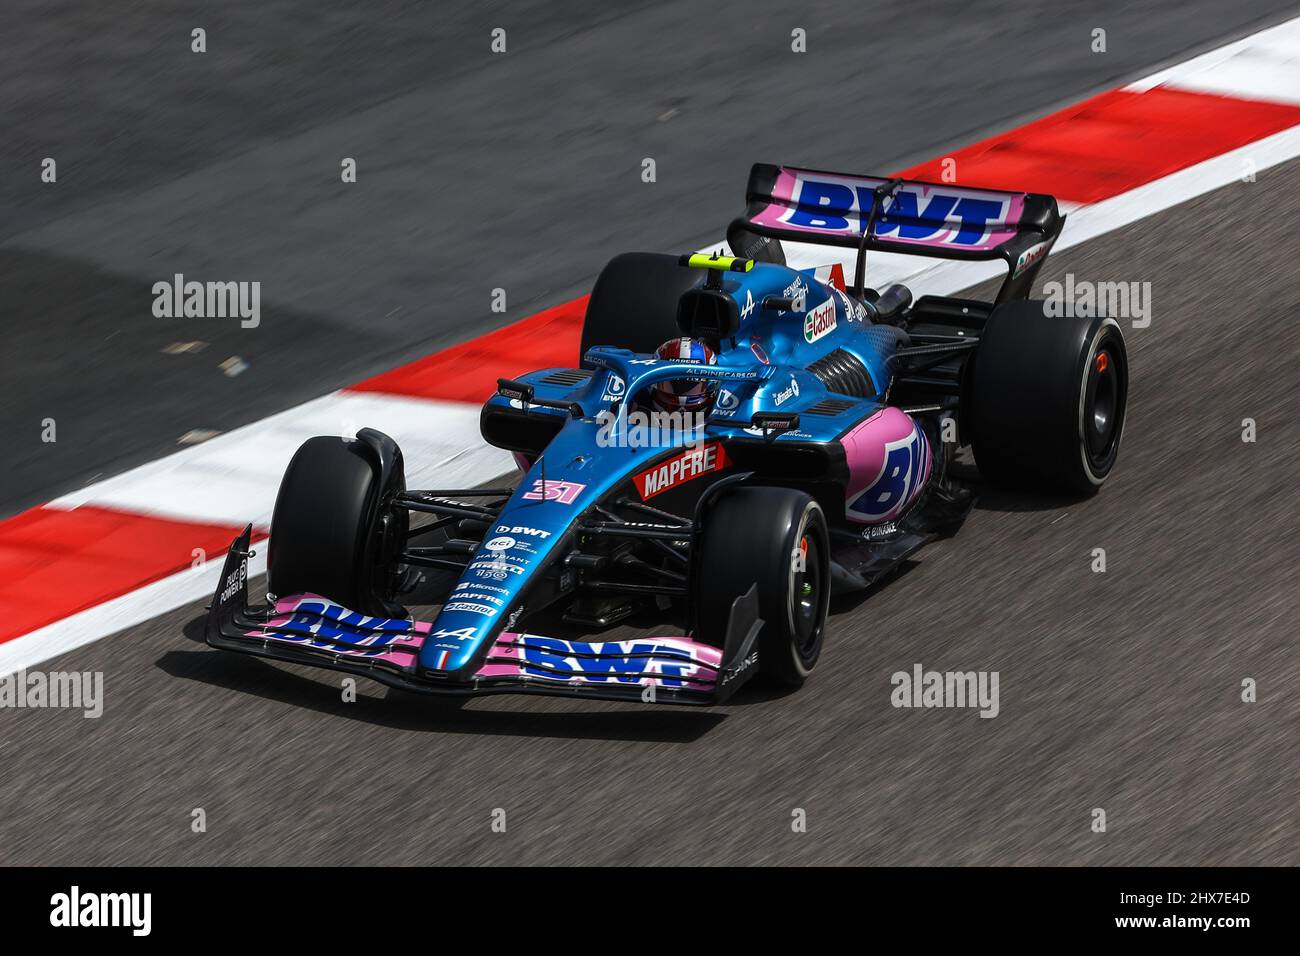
(917, 214)
(899, 479)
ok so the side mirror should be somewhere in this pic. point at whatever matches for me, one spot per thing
(521, 391)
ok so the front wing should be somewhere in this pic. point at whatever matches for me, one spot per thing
(309, 629)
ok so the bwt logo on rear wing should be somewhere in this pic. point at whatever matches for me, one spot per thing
(932, 219)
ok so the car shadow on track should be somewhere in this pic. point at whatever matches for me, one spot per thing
(849, 601)
(1000, 500)
(400, 710)
(990, 497)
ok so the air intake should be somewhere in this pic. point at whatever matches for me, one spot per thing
(830, 406)
(843, 372)
(568, 376)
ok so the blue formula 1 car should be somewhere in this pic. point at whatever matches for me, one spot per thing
(738, 440)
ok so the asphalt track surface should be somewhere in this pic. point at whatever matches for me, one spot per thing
(1118, 690)
(476, 171)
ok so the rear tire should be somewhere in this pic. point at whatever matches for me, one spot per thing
(750, 536)
(324, 534)
(1047, 399)
(634, 302)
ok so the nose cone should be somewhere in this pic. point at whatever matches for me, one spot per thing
(519, 544)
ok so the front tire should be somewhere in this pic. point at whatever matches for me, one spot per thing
(327, 536)
(1047, 398)
(751, 536)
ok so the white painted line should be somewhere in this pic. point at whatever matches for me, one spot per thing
(1263, 66)
(233, 478)
(1176, 189)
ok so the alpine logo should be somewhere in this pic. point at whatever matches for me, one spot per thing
(565, 492)
(676, 471)
(739, 668)
(820, 321)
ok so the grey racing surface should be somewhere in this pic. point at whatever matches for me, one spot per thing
(475, 171)
(1119, 691)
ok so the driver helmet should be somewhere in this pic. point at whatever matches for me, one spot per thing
(684, 394)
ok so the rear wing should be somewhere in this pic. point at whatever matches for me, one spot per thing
(906, 216)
